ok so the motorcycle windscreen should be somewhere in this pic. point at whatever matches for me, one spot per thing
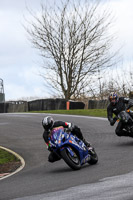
(56, 133)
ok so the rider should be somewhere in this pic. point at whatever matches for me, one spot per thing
(48, 124)
(118, 104)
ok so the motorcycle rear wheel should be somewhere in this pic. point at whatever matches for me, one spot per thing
(71, 161)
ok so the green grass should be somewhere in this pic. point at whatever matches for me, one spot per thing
(6, 157)
(85, 112)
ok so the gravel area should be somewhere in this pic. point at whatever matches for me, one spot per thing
(9, 167)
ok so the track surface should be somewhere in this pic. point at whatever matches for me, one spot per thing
(22, 133)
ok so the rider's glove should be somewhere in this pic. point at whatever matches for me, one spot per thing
(112, 122)
(49, 148)
(70, 126)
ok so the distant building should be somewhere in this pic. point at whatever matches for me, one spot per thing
(2, 94)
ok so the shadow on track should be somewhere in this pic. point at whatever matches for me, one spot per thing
(68, 169)
(124, 144)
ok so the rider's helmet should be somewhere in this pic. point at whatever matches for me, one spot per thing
(47, 122)
(113, 98)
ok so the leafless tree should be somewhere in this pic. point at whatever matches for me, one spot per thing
(118, 79)
(73, 38)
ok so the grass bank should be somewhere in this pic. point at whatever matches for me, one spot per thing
(87, 112)
(6, 157)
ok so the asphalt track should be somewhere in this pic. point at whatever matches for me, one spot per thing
(110, 179)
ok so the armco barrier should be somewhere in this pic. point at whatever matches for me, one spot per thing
(17, 106)
(76, 105)
(35, 105)
(47, 104)
(14, 106)
(60, 104)
(97, 104)
(2, 107)
(53, 104)
(50, 104)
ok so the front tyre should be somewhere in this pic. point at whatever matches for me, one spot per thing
(72, 161)
(94, 157)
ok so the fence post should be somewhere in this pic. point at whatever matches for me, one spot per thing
(68, 105)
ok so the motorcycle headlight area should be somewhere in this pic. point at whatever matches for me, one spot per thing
(63, 138)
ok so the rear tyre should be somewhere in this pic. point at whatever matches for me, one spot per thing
(72, 161)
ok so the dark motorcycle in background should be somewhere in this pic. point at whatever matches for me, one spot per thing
(126, 118)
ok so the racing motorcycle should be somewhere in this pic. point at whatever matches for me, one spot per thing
(126, 117)
(71, 149)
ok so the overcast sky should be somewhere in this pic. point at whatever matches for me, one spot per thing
(19, 62)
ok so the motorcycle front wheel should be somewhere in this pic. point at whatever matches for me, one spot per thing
(94, 158)
(71, 161)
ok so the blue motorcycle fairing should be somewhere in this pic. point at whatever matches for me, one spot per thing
(60, 140)
(83, 158)
(70, 151)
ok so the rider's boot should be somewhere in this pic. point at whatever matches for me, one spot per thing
(86, 143)
(89, 147)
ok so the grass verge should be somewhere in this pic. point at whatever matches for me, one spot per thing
(6, 157)
(8, 162)
(85, 112)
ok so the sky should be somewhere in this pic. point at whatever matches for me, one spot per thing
(20, 63)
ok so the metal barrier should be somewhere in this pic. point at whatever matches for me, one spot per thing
(50, 104)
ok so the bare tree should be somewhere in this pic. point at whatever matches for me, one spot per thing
(73, 38)
(119, 79)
